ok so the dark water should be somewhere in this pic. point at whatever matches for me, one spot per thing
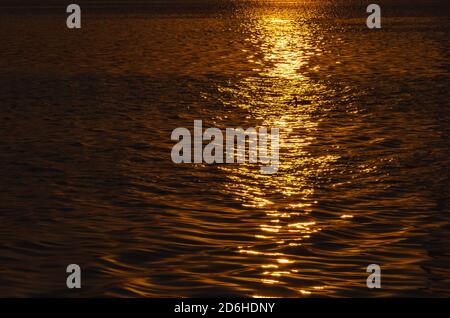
(87, 178)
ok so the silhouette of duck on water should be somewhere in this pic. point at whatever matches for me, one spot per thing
(298, 102)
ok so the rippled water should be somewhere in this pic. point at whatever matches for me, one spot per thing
(87, 178)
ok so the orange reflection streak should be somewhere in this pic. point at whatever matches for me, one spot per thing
(282, 49)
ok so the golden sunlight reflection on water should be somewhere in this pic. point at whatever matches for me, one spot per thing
(284, 47)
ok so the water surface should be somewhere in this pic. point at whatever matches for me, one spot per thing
(87, 178)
